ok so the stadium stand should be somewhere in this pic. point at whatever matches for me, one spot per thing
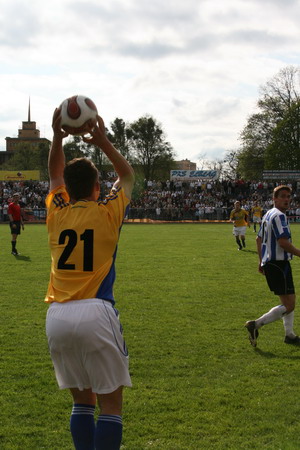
(163, 200)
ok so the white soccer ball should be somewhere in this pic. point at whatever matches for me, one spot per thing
(78, 114)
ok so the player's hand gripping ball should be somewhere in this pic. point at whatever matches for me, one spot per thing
(78, 115)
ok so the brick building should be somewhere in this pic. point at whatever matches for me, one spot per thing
(185, 164)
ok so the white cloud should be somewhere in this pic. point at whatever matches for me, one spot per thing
(196, 66)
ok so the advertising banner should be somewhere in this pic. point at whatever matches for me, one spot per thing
(16, 175)
(194, 175)
(281, 175)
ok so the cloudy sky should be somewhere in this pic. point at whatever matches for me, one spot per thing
(194, 65)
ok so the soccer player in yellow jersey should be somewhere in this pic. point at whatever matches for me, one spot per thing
(84, 333)
(256, 212)
(239, 218)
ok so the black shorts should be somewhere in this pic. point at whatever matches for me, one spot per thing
(279, 277)
(15, 227)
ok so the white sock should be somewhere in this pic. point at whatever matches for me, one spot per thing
(275, 313)
(288, 323)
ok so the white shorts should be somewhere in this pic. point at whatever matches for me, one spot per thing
(86, 345)
(239, 231)
(256, 219)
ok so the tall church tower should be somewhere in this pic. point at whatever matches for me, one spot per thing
(28, 130)
(27, 134)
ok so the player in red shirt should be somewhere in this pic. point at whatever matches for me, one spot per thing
(15, 222)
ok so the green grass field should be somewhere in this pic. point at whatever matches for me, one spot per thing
(184, 293)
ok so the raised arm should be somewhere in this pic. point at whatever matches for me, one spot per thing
(121, 165)
(56, 159)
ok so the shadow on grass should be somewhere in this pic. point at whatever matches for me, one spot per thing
(245, 250)
(270, 355)
(23, 258)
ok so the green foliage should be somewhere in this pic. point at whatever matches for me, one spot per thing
(142, 143)
(251, 163)
(120, 136)
(280, 92)
(139, 186)
(284, 150)
(184, 293)
(270, 139)
(29, 157)
(150, 149)
(74, 148)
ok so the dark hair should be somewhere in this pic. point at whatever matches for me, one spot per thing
(80, 176)
(281, 188)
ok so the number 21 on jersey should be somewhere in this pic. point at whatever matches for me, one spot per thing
(88, 249)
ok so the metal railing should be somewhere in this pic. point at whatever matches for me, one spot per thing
(29, 215)
(167, 214)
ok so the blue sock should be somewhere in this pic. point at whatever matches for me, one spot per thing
(82, 426)
(108, 435)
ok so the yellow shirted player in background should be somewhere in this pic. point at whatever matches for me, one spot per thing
(240, 219)
(256, 212)
(84, 333)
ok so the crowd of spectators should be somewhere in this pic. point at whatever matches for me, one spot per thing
(205, 199)
(163, 200)
(32, 198)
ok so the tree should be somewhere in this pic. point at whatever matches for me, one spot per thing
(97, 156)
(273, 127)
(229, 166)
(74, 148)
(43, 153)
(29, 157)
(77, 148)
(283, 153)
(280, 92)
(23, 158)
(120, 137)
(150, 149)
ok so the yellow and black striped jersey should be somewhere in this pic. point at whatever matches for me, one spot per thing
(83, 240)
